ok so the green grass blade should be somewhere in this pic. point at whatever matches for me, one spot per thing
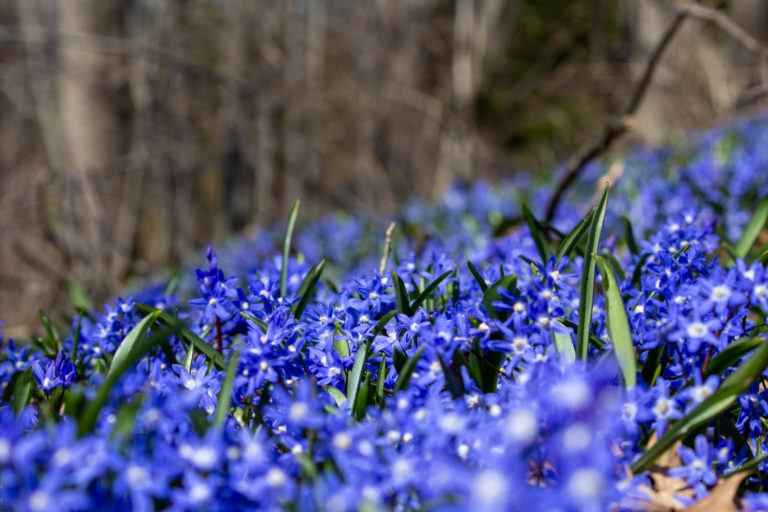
(257, 321)
(731, 355)
(573, 238)
(618, 323)
(336, 394)
(629, 236)
(537, 233)
(130, 341)
(408, 368)
(189, 356)
(637, 274)
(187, 333)
(401, 295)
(22, 390)
(306, 288)
(564, 345)
(652, 364)
(287, 245)
(381, 378)
(225, 395)
(763, 258)
(362, 398)
(356, 374)
(92, 408)
(587, 290)
(752, 229)
(78, 296)
(733, 386)
(429, 290)
(478, 276)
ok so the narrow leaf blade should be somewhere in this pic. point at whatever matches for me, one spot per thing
(573, 238)
(225, 395)
(618, 323)
(587, 289)
(537, 233)
(429, 290)
(131, 340)
(752, 229)
(307, 287)
(408, 368)
(733, 386)
(287, 245)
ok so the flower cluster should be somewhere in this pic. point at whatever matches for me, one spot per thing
(263, 383)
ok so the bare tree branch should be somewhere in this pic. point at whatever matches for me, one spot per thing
(618, 127)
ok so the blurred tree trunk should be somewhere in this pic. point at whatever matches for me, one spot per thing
(475, 27)
(701, 75)
(94, 108)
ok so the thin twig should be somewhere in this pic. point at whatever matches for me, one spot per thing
(387, 245)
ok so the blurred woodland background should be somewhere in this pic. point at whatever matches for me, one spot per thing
(133, 131)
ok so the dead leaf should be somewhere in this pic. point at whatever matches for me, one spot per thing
(663, 495)
(721, 498)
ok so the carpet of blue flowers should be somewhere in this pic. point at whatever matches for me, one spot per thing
(613, 361)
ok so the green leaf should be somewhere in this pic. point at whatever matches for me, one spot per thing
(537, 233)
(340, 344)
(620, 276)
(401, 295)
(257, 321)
(429, 290)
(730, 389)
(564, 344)
(399, 359)
(355, 375)
(76, 337)
(185, 332)
(381, 379)
(587, 290)
(404, 377)
(51, 340)
(92, 408)
(731, 355)
(637, 274)
(629, 236)
(491, 295)
(189, 356)
(618, 323)
(453, 380)
(73, 402)
(306, 288)
(78, 297)
(573, 238)
(489, 364)
(752, 229)
(729, 248)
(478, 276)
(126, 417)
(287, 245)
(22, 390)
(596, 342)
(225, 395)
(652, 363)
(336, 394)
(750, 465)
(362, 398)
(130, 341)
